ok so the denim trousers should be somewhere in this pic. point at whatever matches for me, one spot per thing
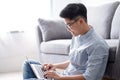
(28, 74)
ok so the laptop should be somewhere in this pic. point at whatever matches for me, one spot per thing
(37, 69)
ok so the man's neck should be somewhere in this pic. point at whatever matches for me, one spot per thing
(85, 29)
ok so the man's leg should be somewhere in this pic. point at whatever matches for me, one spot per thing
(27, 71)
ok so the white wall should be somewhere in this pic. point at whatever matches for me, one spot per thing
(97, 2)
(17, 14)
(58, 5)
(20, 15)
(14, 47)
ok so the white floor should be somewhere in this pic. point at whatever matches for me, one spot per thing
(11, 76)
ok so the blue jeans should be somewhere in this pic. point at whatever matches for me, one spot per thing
(27, 71)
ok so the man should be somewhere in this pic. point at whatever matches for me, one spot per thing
(88, 51)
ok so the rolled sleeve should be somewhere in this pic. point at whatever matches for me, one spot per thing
(96, 64)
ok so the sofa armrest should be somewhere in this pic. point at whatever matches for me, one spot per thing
(39, 34)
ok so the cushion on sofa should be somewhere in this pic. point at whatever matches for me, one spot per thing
(60, 46)
(100, 17)
(53, 29)
(116, 24)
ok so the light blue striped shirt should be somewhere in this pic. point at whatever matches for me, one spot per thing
(88, 56)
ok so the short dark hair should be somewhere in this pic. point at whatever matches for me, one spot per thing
(74, 10)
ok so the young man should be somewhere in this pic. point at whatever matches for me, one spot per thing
(88, 51)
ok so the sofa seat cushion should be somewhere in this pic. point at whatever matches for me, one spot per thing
(113, 43)
(53, 58)
(60, 46)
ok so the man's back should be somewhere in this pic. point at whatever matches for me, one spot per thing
(88, 56)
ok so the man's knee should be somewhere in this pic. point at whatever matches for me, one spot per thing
(27, 62)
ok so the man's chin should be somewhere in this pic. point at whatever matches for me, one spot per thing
(74, 35)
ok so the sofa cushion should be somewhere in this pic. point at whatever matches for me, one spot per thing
(100, 17)
(56, 46)
(53, 58)
(63, 47)
(115, 29)
(53, 29)
(112, 51)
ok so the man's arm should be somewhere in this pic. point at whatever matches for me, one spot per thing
(62, 65)
(72, 77)
(97, 61)
(54, 75)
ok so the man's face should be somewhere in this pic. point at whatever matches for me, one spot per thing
(73, 26)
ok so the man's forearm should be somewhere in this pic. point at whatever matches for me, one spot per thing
(62, 65)
(73, 77)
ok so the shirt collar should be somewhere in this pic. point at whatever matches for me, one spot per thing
(84, 37)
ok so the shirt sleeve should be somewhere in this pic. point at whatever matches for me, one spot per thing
(96, 64)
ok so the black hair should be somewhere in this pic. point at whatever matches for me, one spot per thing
(74, 10)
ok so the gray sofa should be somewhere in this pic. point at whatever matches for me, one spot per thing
(55, 39)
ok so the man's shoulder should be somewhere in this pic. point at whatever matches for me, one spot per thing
(98, 45)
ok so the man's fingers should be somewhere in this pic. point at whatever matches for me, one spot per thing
(46, 67)
(49, 73)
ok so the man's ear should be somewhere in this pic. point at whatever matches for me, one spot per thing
(81, 20)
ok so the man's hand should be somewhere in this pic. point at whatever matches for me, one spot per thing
(47, 67)
(52, 74)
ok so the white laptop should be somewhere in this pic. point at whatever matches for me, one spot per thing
(37, 69)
